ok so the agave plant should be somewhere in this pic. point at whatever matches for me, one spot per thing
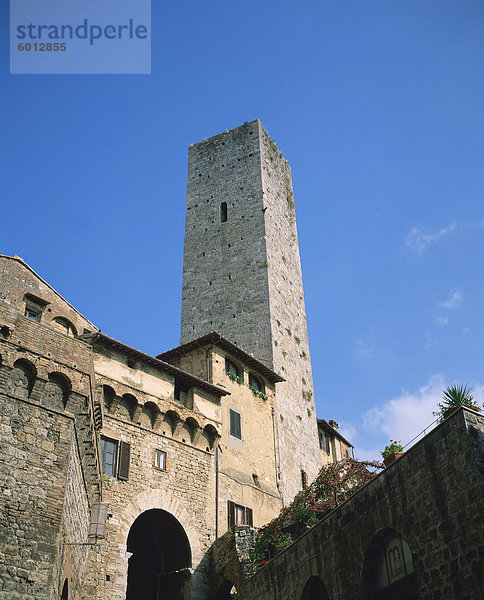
(455, 395)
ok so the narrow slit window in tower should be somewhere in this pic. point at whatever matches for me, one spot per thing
(223, 212)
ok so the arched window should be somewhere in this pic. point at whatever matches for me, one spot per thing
(161, 558)
(388, 569)
(65, 326)
(65, 591)
(231, 368)
(314, 589)
(255, 383)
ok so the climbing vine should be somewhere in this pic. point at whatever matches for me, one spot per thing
(335, 483)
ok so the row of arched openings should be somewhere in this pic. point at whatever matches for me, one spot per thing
(23, 376)
(149, 416)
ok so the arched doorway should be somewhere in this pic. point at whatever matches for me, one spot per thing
(227, 591)
(159, 566)
(314, 589)
(65, 591)
(388, 569)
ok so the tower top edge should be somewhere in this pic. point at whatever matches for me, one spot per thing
(247, 124)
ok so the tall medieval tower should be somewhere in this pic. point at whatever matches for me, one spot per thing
(242, 276)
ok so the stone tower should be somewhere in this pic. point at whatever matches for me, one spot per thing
(242, 276)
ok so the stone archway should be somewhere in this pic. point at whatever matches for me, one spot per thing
(314, 589)
(388, 571)
(65, 591)
(227, 591)
(159, 566)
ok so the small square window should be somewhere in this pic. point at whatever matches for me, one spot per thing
(160, 460)
(239, 515)
(32, 313)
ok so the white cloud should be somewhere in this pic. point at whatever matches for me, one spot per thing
(406, 415)
(418, 240)
(401, 418)
(452, 301)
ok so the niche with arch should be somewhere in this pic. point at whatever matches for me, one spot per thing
(56, 391)
(210, 434)
(314, 589)
(127, 406)
(64, 326)
(108, 397)
(190, 429)
(171, 419)
(388, 572)
(148, 416)
(22, 379)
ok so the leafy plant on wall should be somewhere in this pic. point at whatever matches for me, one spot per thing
(334, 484)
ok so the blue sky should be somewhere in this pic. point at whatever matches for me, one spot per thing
(377, 106)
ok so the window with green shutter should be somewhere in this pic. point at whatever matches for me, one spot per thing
(235, 428)
(124, 456)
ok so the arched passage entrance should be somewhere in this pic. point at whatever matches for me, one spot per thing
(159, 566)
(314, 589)
(388, 569)
(65, 591)
(227, 591)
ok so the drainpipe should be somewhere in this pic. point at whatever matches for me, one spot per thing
(216, 491)
(276, 453)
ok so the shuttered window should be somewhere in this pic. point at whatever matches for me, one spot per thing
(235, 429)
(124, 454)
(238, 515)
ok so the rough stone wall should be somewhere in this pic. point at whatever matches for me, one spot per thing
(231, 559)
(35, 445)
(242, 277)
(185, 489)
(224, 265)
(75, 526)
(50, 471)
(433, 497)
(290, 346)
(18, 279)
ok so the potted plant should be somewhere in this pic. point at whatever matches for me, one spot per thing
(453, 397)
(391, 452)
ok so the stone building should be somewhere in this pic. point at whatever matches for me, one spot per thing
(121, 469)
(242, 276)
(132, 477)
(333, 446)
